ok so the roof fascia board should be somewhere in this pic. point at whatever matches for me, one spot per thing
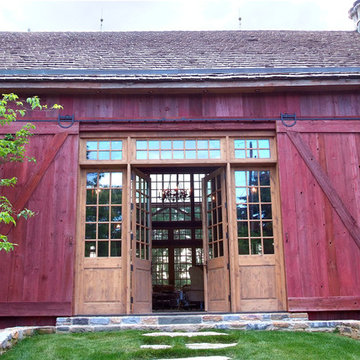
(195, 86)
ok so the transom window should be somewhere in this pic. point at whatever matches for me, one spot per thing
(177, 234)
(252, 148)
(103, 214)
(104, 150)
(185, 149)
(254, 212)
(176, 197)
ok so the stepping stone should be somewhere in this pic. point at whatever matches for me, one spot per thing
(208, 346)
(156, 347)
(186, 334)
(203, 358)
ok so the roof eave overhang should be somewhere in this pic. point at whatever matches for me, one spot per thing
(349, 82)
(179, 80)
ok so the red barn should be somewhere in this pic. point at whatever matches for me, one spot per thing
(211, 171)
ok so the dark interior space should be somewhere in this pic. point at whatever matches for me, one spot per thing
(177, 242)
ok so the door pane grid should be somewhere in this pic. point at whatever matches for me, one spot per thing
(103, 214)
(104, 150)
(142, 218)
(254, 212)
(252, 148)
(214, 218)
(182, 263)
(160, 266)
(184, 149)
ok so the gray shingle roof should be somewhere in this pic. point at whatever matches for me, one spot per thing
(178, 55)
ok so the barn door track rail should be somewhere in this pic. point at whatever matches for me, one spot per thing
(287, 119)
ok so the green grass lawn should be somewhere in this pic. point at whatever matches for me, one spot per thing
(126, 345)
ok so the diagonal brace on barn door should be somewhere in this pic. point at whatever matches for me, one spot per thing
(325, 184)
(54, 146)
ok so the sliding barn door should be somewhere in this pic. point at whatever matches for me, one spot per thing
(141, 288)
(217, 297)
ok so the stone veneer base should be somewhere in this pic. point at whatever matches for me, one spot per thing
(10, 336)
(195, 322)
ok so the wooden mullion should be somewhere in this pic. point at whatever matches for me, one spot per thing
(171, 259)
(192, 200)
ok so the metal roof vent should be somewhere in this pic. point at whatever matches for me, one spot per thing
(354, 14)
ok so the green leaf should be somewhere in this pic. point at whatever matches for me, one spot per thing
(6, 218)
(8, 182)
(5, 244)
(57, 107)
(12, 149)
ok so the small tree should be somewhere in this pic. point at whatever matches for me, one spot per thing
(12, 149)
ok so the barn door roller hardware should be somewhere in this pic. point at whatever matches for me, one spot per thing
(288, 120)
(66, 121)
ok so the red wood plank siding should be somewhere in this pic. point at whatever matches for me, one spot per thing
(334, 303)
(41, 308)
(325, 183)
(322, 260)
(206, 105)
(37, 278)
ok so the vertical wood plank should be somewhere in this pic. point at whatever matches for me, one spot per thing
(325, 184)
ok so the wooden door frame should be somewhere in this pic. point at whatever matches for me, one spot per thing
(227, 161)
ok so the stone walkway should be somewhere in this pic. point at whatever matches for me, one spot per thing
(202, 358)
(156, 347)
(193, 346)
(209, 346)
(186, 334)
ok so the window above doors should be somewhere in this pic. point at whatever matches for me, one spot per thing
(198, 148)
(179, 149)
(252, 149)
(104, 150)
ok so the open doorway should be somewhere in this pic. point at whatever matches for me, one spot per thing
(188, 214)
(177, 239)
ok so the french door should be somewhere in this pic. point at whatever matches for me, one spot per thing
(140, 236)
(257, 251)
(100, 277)
(215, 232)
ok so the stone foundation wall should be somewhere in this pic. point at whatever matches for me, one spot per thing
(350, 329)
(261, 321)
(9, 337)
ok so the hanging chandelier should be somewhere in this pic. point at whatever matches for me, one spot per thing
(175, 194)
